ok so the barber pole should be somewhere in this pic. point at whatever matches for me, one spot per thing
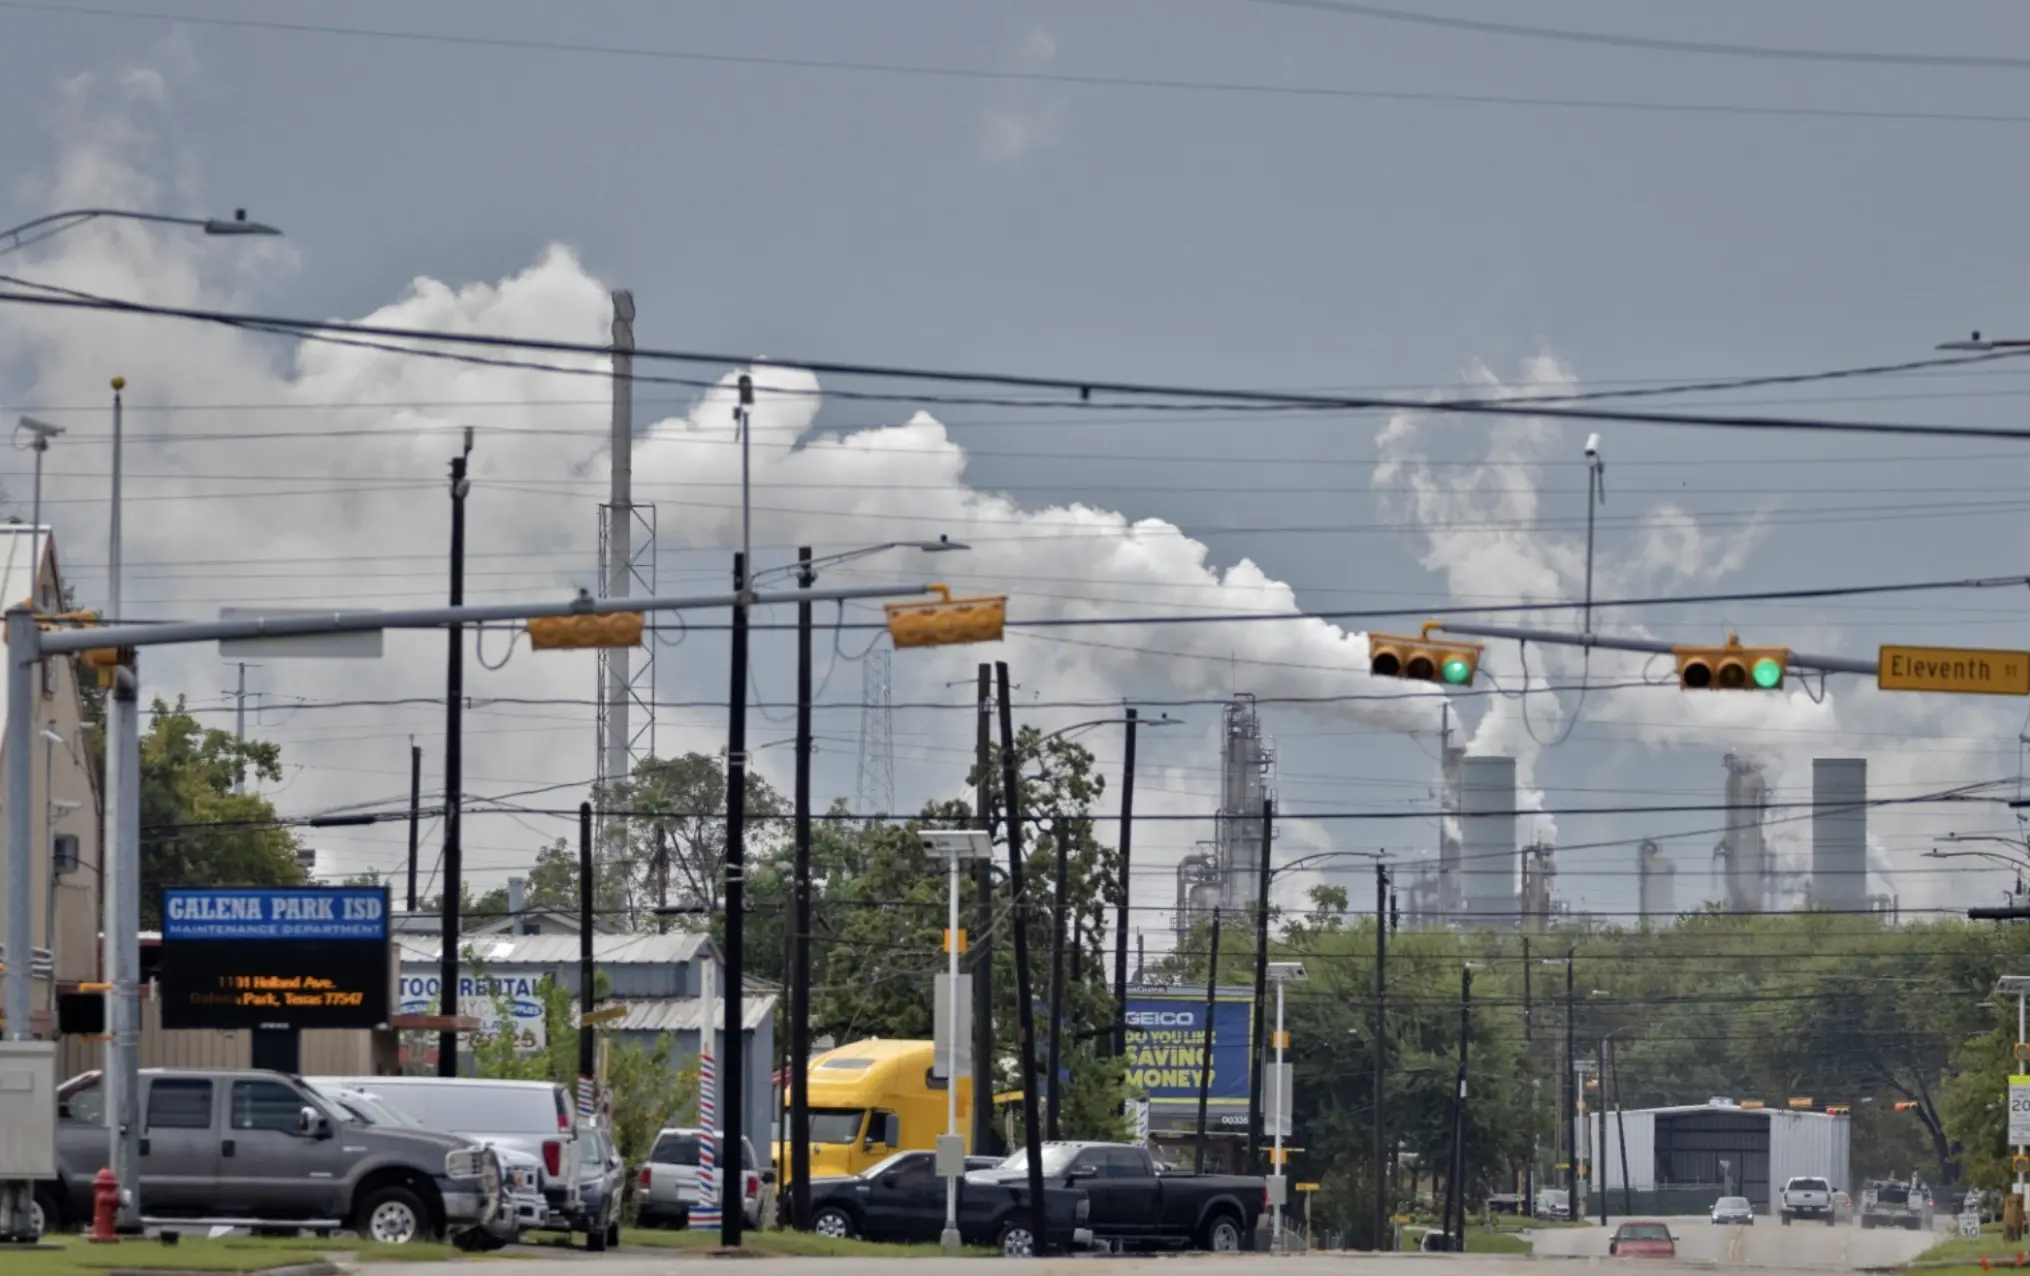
(706, 1212)
(588, 1100)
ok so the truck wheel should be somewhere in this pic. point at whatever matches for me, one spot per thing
(1222, 1234)
(1017, 1242)
(1786, 1218)
(833, 1223)
(595, 1239)
(44, 1214)
(392, 1215)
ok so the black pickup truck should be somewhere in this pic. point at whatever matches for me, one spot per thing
(1137, 1205)
(903, 1199)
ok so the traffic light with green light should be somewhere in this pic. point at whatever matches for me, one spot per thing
(1423, 659)
(1732, 667)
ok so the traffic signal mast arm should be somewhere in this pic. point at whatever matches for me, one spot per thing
(1648, 646)
(71, 641)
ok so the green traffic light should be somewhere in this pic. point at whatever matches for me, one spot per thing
(1768, 673)
(1456, 671)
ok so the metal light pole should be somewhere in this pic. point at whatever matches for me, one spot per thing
(1281, 973)
(2018, 986)
(52, 224)
(956, 848)
(797, 1136)
(39, 434)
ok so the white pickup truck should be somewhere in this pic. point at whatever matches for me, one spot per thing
(1806, 1197)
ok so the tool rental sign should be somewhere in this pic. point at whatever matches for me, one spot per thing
(1166, 1043)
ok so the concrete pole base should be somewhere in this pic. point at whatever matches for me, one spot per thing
(949, 1238)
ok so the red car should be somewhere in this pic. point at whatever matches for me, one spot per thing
(1643, 1238)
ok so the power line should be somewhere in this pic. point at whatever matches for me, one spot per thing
(1067, 79)
(1962, 61)
(1082, 388)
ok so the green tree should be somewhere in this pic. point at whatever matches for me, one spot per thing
(671, 845)
(195, 830)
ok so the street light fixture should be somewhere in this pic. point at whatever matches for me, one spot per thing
(956, 847)
(39, 434)
(52, 224)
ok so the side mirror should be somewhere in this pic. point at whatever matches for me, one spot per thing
(891, 1131)
(1613, 1246)
(63, 1110)
(312, 1124)
(768, 1178)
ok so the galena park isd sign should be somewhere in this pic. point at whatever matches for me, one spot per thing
(275, 957)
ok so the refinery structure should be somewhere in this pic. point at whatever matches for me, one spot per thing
(1483, 876)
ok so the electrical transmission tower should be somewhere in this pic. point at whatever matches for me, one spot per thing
(876, 792)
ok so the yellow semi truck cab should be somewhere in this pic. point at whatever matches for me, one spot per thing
(873, 1098)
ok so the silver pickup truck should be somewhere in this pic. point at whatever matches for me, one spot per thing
(259, 1149)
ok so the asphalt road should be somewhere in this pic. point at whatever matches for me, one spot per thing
(1766, 1247)
(1766, 1244)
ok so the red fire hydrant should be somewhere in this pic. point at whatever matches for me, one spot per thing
(105, 1207)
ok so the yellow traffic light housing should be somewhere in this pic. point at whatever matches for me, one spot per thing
(1423, 658)
(584, 632)
(948, 621)
(106, 661)
(1732, 667)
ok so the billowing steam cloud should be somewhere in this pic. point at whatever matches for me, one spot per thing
(264, 472)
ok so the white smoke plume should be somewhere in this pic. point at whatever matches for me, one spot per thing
(292, 475)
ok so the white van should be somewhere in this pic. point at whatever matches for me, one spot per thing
(535, 1117)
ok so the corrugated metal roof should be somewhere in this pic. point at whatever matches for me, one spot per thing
(562, 950)
(675, 1015)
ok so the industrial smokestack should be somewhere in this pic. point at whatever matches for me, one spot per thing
(1489, 863)
(1839, 834)
(1654, 884)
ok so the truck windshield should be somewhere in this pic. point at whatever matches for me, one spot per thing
(1055, 1159)
(836, 1125)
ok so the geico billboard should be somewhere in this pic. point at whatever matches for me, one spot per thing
(1166, 1044)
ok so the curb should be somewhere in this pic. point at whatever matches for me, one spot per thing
(292, 1269)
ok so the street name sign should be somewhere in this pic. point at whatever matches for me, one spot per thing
(1964, 670)
(364, 644)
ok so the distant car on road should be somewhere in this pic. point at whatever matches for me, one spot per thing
(1643, 1238)
(1735, 1209)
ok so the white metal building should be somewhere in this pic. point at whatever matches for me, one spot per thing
(1700, 1151)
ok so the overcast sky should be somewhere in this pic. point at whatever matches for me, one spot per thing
(1200, 191)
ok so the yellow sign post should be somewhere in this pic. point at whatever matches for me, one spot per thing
(1972, 671)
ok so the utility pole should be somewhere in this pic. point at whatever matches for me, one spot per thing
(1569, 1122)
(415, 813)
(1127, 839)
(1621, 1133)
(1058, 825)
(1381, 1056)
(120, 859)
(587, 1046)
(240, 727)
(1206, 1046)
(800, 921)
(1455, 1204)
(1025, 1010)
(1529, 1205)
(982, 942)
(454, 761)
(731, 1205)
(614, 661)
(1257, 1050)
